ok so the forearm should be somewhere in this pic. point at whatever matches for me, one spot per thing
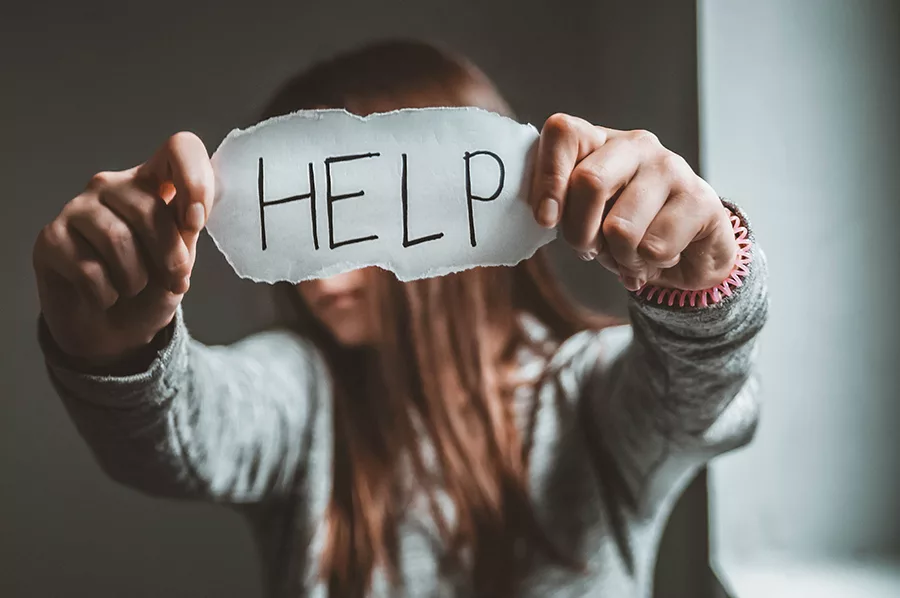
(687, 363)
(221, 423)
(126, 412)
(664, 394)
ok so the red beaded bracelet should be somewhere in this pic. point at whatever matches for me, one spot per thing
(715, 294)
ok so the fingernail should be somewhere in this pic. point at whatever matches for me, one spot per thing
(631, 283)
(548, 214)
(588, 255)
(196, 215)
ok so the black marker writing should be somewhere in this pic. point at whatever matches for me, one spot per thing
(470, 197)
(404, 197)
(263, 204)
(330, 198)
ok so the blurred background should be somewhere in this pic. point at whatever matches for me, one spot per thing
(789, 108)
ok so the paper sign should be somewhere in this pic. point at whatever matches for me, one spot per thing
(420, 192)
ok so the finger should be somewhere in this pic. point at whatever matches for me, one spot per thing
(72, 258)
(606, 260)
(627, 221)
(565, 141)
(706, 239)
(674, 228)
(155, 303)
(154, 224)
(112, 240)
(595, 181)
(184, 162)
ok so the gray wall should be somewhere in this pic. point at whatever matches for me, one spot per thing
(801, 123)
(95, 86)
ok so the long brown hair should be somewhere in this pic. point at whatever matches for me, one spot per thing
(442, 372)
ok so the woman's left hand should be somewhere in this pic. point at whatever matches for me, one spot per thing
(623, 199)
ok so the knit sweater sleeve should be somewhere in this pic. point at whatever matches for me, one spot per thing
(678, 386)
(223, 423)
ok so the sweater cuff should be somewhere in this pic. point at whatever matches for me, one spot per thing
(127, 384)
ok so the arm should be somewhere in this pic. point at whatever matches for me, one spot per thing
(678, 386)
(675, 388)
(229, 424)
(165, 414)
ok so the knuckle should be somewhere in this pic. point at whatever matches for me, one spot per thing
(560, 124)
(101, 180)
(77, 204)
(112, 196)
(621, 229)
(117, 234)
(90, 274)
(644, 136)
(555, 181)
(137, 281)
(700, 191)
(53, 234)
(591, 179)
(691, 199)
(673, 165)
(178, 260)
(656, 249)
(143, 215)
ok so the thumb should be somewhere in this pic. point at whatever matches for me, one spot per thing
(182, 169)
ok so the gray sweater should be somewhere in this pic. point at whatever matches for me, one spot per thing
(250, 425)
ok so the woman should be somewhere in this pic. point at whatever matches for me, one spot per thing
(474, 434)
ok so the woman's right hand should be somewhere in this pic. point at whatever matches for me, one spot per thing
(113, 267)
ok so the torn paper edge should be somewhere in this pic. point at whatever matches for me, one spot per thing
(346, 266)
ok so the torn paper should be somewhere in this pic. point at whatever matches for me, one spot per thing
(420, 192)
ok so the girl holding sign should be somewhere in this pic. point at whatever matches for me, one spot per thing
(472, 434)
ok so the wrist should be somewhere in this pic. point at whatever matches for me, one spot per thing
(129, 361)
(122, 363)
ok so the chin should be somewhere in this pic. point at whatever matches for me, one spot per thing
(350, 337)
(351, 342)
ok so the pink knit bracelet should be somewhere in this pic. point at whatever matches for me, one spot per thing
(706, 297)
